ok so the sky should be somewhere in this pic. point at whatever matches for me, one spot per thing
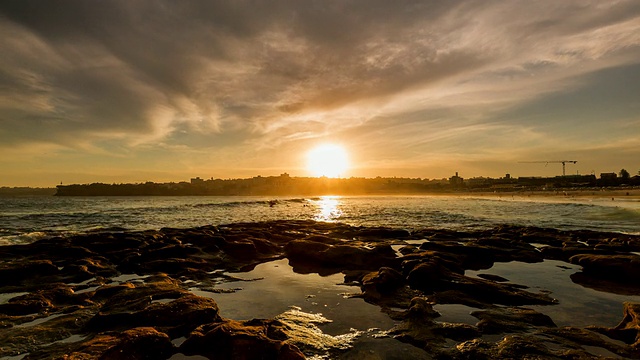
(133, 91)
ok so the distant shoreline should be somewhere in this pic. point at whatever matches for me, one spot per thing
(627, 193)
(632, 193)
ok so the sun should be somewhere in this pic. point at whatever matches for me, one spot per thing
(328, 160)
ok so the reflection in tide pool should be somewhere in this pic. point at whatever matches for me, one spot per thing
(315, 305)
(328, 209)
(577, 305)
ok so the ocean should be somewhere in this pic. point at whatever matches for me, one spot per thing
(24, 219)
(274, 290)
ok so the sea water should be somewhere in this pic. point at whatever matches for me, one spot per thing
(24, 219)
(29, 218)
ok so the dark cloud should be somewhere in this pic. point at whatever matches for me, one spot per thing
(143, 69)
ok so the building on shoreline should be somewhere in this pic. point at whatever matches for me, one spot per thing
(284, 184)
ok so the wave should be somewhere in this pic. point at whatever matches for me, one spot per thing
(251, 202)
(616, 214)
(24, 238)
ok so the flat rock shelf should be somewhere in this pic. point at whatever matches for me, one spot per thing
(320, 290)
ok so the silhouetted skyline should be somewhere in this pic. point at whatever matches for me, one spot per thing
(121, 91)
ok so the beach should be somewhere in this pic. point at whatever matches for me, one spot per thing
(631, 193)
(307, 289)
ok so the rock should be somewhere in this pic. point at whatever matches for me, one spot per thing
(26, 304)
(419, 328)
(140, 343)
(433, 277)
(344, 256)
(66, 289)
(492, 277)
(240, 340)
(177, 317)
(384, 281)
(429, 275)
(605, 285)
(503, 320)
(384, 233)
(628, 330)
(617, 268)
(573, 342)
(133, 344)
(27, 272)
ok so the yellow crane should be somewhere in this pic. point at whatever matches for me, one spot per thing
(563, 162)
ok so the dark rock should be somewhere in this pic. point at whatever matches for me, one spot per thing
(26, 304)
(345, 256)
(502, 320)
(605, 285)
(429, 274)
(433, 277)
(628, 330)
(384, 233)
(492, 277)
(618, 268)
(133, 344)
(140, 343)
(240, 340)
(178, 316)
(173, 266)
(170, 257)
(386, 287)
(576, 339)
(419, 328)
(384, 281)
(27, 272)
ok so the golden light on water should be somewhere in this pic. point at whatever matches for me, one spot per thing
(328, 209)
(328, 160)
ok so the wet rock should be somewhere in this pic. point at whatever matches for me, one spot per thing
(384, 281)
(605, 285)
(27, 272)
(429, 275)
(628, 330)
(140, 343)
(618, 268)
(27, 304)
(19, 335)
(173, 266)
(133, 344)
(419, 328)
(404, 286)
(457, 297)
(345, 256)
(433, 277)
(573, 342)
(503, 320)
(384, 233)
(492, 277)
(177, 316)
(257, 339)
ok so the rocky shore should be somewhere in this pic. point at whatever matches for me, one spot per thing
(78, 298)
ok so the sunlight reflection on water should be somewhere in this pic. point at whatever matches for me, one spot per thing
(328, 209)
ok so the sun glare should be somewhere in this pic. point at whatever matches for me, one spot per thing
(328, 160)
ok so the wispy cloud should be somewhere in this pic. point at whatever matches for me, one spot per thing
(275, 74)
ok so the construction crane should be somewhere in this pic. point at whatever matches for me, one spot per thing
(563, 162)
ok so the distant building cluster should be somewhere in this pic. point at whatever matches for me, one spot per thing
(287, 185)
(574, 181)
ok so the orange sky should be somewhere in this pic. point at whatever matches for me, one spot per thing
(123, 91)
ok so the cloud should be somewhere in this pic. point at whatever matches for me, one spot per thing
(188, 73)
